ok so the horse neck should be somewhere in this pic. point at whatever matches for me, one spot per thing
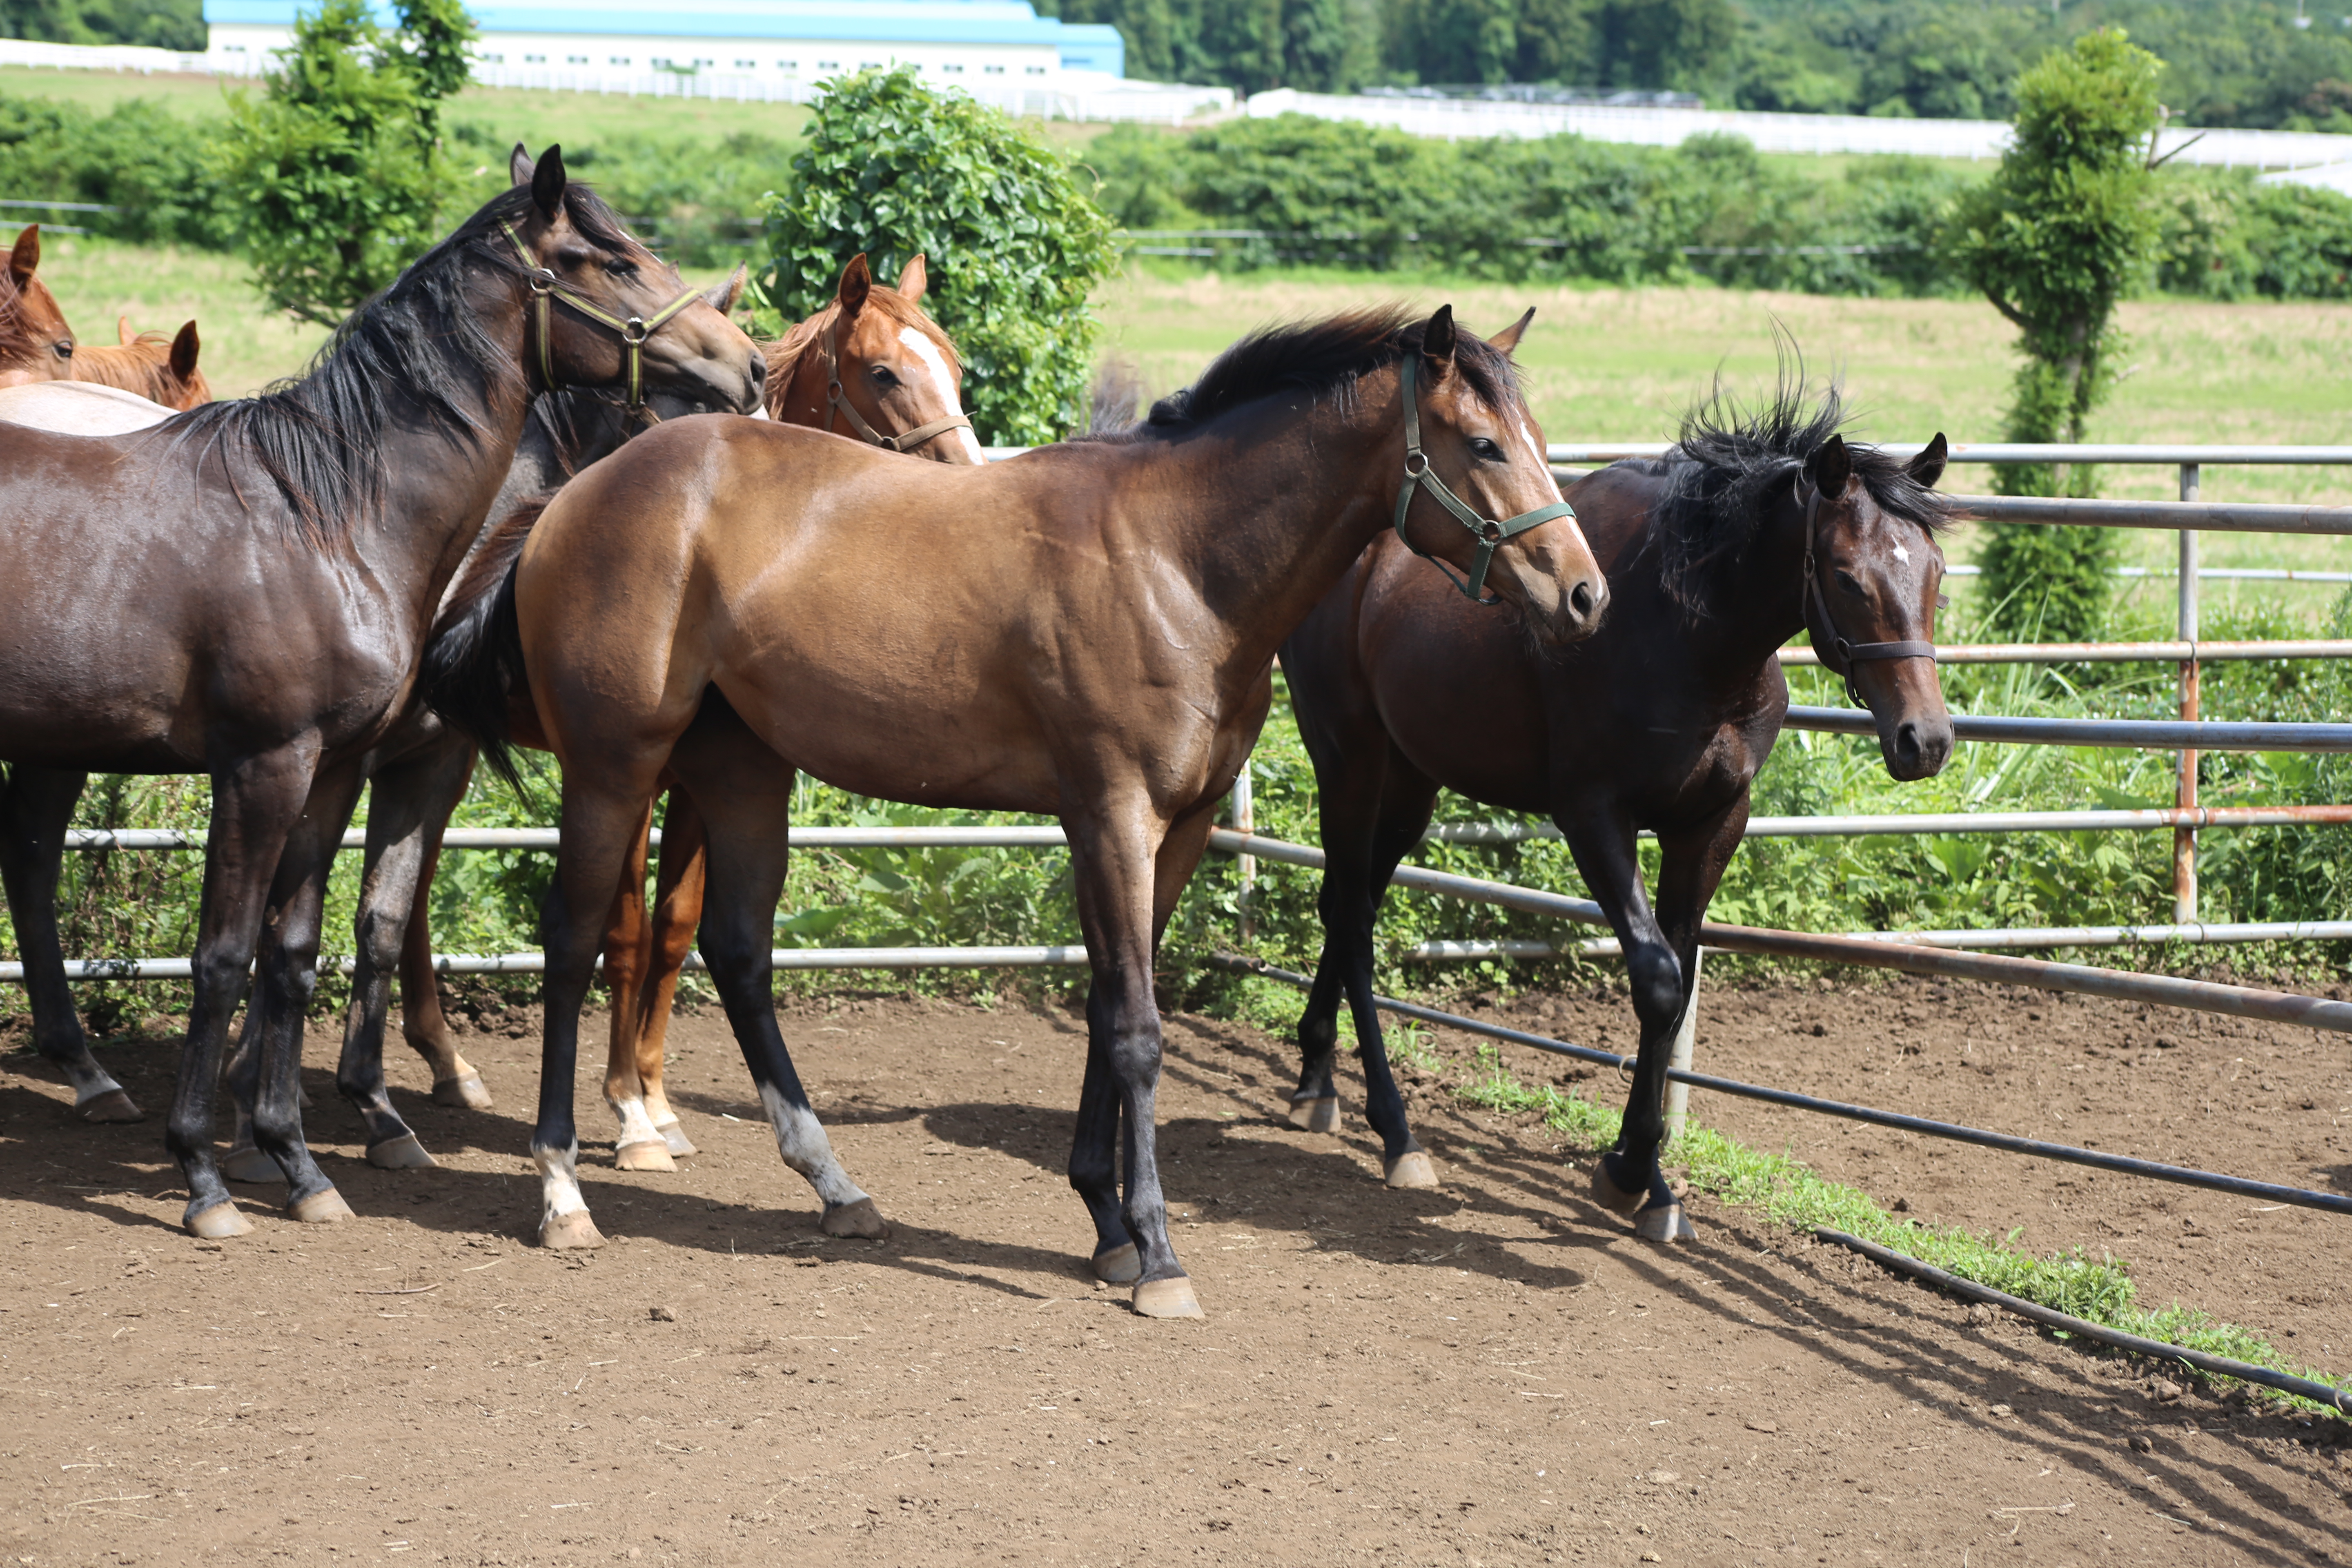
(802, 400)
(1274, 504)
(132, 367)
(1750, 611)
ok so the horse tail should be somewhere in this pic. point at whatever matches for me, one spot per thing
(1116, 401)
(473, 657)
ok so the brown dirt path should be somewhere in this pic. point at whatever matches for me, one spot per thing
(1493, 1374)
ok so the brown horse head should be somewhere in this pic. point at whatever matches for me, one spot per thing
(1871, 599)
(161, 369)
(1473, 423)
(892, 377)
(579, 258)
(36, 345)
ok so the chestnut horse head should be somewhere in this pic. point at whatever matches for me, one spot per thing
(36, 345)
(872, 362)
(161, 369)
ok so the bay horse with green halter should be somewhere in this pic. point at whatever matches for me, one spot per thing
(245, 590)
(1086, 631)
(1753, 527)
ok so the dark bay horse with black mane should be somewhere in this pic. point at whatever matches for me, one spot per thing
(245, 590)
(1086, 631)
(1753, 527)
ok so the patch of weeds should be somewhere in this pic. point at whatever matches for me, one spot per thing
(1787, 1192)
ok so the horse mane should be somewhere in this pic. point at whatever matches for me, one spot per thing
(1727, 465)
(420, 345)
(1320, 358)
(784, 354)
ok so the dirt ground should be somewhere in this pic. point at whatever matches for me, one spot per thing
(1493, 1374)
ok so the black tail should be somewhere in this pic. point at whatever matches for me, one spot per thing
(473, 659)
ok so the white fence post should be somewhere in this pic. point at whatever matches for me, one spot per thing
(2184, 838)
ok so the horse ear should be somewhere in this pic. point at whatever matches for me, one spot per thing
(1830, 467)
(547, 183)
(1509, 338)
(123, 332)
(914, 280)
(26, 255)
(519, 166)
(721, 296)
(1928, 465)
(1437, 342)
(184, 348)
(856, 282)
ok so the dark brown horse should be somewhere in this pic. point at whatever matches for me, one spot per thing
(1086, 631)
(245, 590)
(1754, 528)
(419, 774)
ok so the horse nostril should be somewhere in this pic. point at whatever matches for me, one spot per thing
(758, 369)
(1579, 599)
(1906, 741)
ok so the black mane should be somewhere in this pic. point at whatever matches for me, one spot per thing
(1725, 473)
(421, 343)
(1315, 358)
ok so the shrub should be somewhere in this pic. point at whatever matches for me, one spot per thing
(335, 176)
(1015, 247)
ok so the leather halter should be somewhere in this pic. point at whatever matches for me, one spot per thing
(546, 289)
(1842, 655)
(837, 401)
(1485, 530)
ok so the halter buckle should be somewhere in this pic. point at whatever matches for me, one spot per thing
(542, 281)
(1410, 459)
(634, 331)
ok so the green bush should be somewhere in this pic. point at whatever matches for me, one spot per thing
(1015, 246)
(335, 176)
(137, 157)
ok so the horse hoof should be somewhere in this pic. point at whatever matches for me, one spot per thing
(675, 1138)
(110, 1107)
(401, 1153)
(860, 1218)
(1315, 1115)
(1413, 1173)
(1122, 1265)
(219, 1223)
(320, 1208)
(569, 1232)
(1611, 1196)
(647, 1156)
(465, 1094)
(1666, 1224)
(1167, 1299)
(248, 1164)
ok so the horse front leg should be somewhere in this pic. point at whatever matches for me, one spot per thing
(36, 806)
(1405, 805)
(255, 805)
(744, 793)
(1127, 865)
(1627, 1180)
(628, 953)
(679, 893)
(287, 976)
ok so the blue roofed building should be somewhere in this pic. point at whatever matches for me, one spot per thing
(983, 44)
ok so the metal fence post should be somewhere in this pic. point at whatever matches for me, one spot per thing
(1685, 1037)
(2184, 838)
(1245, 817)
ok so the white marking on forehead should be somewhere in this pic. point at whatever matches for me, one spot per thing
(1536, 450)
(1903, 556)
(921, 345)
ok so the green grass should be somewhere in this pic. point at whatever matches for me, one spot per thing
(1786, 1192)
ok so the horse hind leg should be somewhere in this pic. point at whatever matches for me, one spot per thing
(628, 954)
(35, 805)
(676, 917)
(439, 785)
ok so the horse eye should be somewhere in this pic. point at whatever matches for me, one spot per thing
(65, 351)
(1483, 447)
(621, 267)
(884, 378)
(1845, 580)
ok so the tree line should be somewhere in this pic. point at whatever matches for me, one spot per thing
(2232, 62)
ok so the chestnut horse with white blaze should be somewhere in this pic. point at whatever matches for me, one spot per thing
(1086, 631)
(1756, 525)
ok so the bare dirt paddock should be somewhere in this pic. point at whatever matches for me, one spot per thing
(1496, 1373)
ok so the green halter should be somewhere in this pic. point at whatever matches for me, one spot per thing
(546, 287)
(1488, 531)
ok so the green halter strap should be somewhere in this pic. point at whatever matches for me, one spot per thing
(546, 287)
(1487, 530)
